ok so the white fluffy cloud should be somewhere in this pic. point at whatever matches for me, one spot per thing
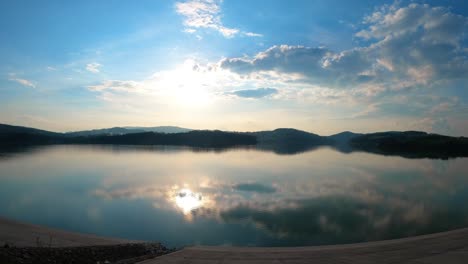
(198, 80)
(252, 34)
(416, 45)
(420, 43)
(93, 67)
(282, 58)
(23, 82)
(203, 14)
(407, 55)
(439, 23)
(206, 14)
(408, 46)
(116, 85)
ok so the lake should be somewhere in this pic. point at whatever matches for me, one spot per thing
(243, 197)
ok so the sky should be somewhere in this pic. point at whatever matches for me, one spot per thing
(323, 66)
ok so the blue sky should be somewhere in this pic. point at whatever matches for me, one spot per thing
(320, 66)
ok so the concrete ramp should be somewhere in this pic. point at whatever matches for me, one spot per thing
(20, 234)
(448, 247)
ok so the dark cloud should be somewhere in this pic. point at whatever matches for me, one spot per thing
(255, 93)
(254, 187)
(282, 58)
(316, 65)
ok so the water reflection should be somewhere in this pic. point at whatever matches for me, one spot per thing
(242, 197)
(188, 201)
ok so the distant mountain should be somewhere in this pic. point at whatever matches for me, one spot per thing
(341, 141)
(9, 129)
(104, 131)
(162, 129)
(289, 140)
(195, 138)
(410, 144)
(128, 130)
(343, 137)
(23, 136)
(18, 135)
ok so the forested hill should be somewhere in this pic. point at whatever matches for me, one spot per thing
(410, 144)
(195, 138)
(12, 136)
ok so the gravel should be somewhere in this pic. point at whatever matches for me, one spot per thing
(121, 254)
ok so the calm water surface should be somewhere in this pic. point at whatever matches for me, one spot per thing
(238, 197)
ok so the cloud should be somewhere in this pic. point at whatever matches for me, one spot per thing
(200, 81)
(23, 82)
(407, 46)
(315, 65)
(405, 52)
(444, 107)
(203, 14)
(116, 86)
(327, 207)
(255, 93)
(200, 84)
(93, 67)
(254, 187)
(438, 23)
(251, 34)
(419, 43)
(344, 219)
(206, 14)
(370, 109)
(281, 58)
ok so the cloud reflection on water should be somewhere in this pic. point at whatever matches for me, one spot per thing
(367, 204)
(317, 197)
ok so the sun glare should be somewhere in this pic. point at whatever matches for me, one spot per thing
(188, 201)
(188, 85)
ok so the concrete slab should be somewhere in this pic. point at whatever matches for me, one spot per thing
(447, 248)
(27, 235)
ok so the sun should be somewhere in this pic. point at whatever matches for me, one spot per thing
(188, 84)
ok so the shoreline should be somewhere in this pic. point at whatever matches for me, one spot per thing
(21, 234)
(25, 243)
(444, 247)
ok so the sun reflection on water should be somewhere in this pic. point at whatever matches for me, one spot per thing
(188, 201)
